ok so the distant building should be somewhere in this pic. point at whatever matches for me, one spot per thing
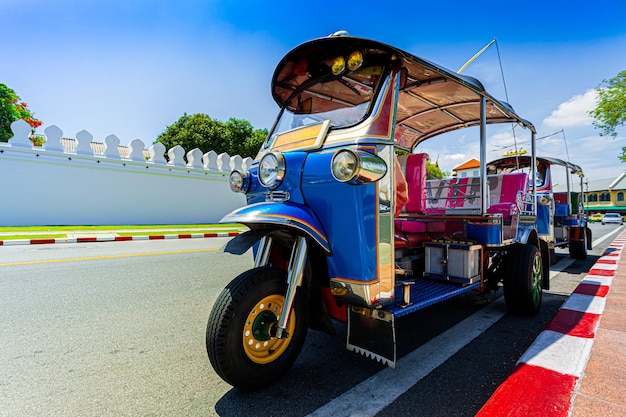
(604, 195)
(470, 168)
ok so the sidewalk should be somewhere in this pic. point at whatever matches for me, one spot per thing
(577, 366)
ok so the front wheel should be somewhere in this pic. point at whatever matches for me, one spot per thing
(241, 333)
(523, 280)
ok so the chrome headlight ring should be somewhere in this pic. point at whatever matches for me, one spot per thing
(345, 165)
(357, 167)
(272, 170)
(239, 181)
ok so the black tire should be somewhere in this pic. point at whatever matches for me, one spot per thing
(523, 280)
(553, 259)
(578, 248)
(244, 352)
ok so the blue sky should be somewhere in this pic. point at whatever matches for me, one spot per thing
(133, 67)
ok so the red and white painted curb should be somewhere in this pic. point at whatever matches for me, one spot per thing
(544, 379)
(113, 238)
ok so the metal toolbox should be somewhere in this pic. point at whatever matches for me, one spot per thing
(456, 262)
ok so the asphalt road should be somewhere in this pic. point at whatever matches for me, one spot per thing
(117, 329)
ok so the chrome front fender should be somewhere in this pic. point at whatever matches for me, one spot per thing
(288, 215)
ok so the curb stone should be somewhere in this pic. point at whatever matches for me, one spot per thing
(113, 238)
(545, 379)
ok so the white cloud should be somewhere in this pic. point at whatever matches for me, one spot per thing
(573, 112)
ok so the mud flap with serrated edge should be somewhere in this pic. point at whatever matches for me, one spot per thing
(372, 333)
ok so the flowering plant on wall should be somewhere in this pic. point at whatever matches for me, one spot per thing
(12, 109)
(37, 140)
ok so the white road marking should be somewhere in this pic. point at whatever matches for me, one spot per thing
(604, 237)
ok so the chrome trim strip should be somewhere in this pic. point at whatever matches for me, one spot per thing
(365, 294)
(277, 196)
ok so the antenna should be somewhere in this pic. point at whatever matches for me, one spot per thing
(476, 56)
(506, 93)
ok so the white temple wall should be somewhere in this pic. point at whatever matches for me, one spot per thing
(52, 186)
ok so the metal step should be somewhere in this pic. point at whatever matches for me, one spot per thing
(426, 293)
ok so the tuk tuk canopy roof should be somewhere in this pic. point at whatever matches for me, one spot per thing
(434, 100)
(511, 163)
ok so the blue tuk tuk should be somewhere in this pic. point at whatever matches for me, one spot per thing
(345, 230)
(561, 217)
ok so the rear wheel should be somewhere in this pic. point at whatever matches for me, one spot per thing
(523, 280)
(578, 248)
(241, 333)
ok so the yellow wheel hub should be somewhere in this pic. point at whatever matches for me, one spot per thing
(259, 331)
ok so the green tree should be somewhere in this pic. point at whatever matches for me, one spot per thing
(235, 137)
(610, 111)
(244, 139)
(433, 171)
(12, 109)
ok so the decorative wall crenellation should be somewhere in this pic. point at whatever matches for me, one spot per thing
(134, 151)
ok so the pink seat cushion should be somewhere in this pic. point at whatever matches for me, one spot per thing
(511, 185)
(409, 226)
(506, 209)
(416, 180)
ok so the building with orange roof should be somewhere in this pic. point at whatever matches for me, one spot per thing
(469, 168)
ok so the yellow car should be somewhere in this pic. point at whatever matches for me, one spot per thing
(596, 217)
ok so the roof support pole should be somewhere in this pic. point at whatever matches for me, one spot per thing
(484, 186)
(581, 198)
(568, 176)
(533, 171)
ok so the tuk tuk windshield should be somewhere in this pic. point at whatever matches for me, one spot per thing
(345, 116)
(343, 99)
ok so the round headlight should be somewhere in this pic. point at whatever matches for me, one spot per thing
(344, 165)
(272, 169)
(239, 181)
(339, 64)
(357, 166)
(544, 200)
(355, 60)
